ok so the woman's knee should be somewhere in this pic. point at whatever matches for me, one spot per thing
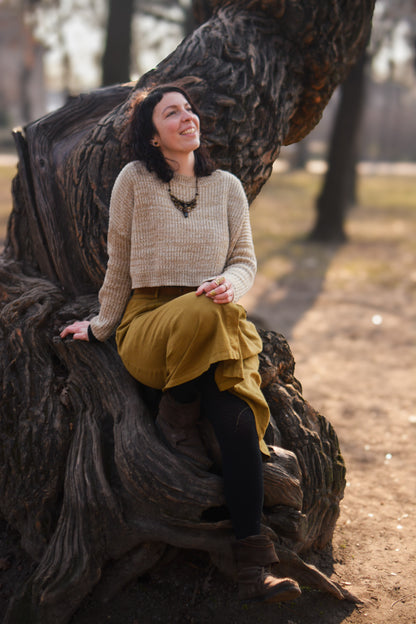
(197, 311)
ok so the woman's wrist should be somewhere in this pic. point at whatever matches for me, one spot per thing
(91, 336)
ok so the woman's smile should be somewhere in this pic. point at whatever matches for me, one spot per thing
(191, 131)
(176, 125)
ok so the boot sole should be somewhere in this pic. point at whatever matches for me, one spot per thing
(282, 594)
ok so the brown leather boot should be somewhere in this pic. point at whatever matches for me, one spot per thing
(253, 554)
(177, 423)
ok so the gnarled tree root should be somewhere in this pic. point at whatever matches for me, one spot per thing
(93, 486)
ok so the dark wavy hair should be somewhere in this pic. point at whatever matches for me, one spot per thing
(142, 131)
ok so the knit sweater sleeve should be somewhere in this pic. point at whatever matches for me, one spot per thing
(241, 265)
(116, 288)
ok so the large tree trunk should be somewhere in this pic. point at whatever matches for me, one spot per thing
(338, 189)
(84, 477)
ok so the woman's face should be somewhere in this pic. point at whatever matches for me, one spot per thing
(177, 127)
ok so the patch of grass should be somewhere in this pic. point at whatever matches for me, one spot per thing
(381, 231)
(6, 175)
(390, 193)
(285, 206)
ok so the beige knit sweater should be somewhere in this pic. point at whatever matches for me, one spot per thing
(151, 243)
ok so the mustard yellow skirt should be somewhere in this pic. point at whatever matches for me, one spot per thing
(164, 342)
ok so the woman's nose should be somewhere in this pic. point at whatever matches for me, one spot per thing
(187, 113)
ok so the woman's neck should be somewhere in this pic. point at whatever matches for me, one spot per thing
(184, 165)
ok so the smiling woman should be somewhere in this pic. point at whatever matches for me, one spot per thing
(165, 119)
(174, 285)
(177, 131)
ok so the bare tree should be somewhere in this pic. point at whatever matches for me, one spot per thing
(116, 58)
(93, 491)
(339, 186)
(337, 193)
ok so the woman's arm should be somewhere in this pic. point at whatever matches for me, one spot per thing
(240, 267)
(241, 264)
(116, 287)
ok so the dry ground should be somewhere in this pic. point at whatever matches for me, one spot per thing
(349, 314)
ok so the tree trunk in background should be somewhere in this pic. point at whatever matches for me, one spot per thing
(339, 187)
(299, 158)
(202, 11)
(116, 58)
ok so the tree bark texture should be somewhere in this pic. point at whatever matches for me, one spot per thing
(96, 496)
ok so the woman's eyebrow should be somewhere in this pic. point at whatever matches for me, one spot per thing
(169, 106)
(175, 106)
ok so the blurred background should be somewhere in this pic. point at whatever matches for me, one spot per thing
(334, 230)
(53, 49)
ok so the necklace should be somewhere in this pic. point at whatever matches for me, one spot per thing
(184, 206)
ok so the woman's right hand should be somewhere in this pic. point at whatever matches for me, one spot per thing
(218, 289)
(79, 330)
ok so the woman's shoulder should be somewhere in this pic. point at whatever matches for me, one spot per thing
(226, 177)
(134, 168)
(133, 175)
(231, 182)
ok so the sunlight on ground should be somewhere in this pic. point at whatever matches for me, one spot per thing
(292, 271)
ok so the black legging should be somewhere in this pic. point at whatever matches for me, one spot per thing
(234, 426)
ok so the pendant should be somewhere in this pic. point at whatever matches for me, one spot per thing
(184, 206)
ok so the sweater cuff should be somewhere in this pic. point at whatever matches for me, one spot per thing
(91, 336)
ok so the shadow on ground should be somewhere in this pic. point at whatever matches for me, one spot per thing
(278, 304)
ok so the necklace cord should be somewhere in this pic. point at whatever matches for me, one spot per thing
(185, 207)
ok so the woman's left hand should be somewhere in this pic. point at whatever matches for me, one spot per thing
(218, 289)
(78, 329)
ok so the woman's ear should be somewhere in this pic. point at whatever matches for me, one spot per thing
(154, 142)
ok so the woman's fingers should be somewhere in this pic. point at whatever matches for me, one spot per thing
(223, 296)
(203, 288)
(79, 330)
(219, 290)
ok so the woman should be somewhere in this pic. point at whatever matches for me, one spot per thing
(180, 256)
